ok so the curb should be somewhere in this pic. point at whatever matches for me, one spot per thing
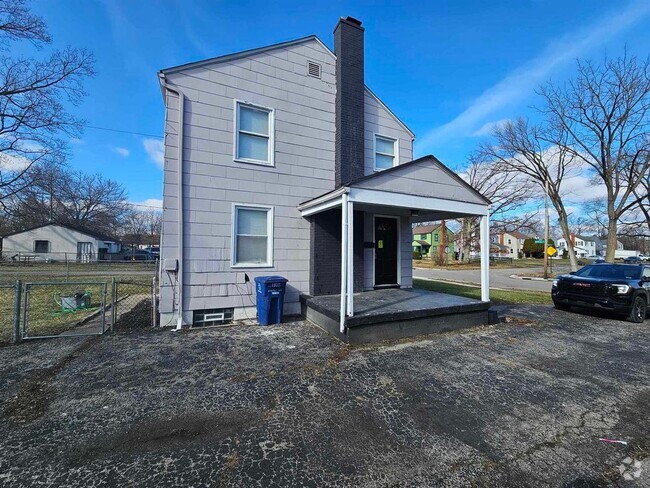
(530, 278)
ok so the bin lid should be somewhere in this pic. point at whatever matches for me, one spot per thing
(271, 279)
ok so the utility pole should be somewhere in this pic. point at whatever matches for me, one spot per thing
(546, 227)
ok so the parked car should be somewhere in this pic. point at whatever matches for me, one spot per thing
(644, 257)
(138, 255)
(155, 251)
(633, 260)
(621, 288)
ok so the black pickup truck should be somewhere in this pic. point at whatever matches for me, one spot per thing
(621, 288)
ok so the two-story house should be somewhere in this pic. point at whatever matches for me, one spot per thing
(427, 240)
(514, 241)
(583, 245)
(281, 161)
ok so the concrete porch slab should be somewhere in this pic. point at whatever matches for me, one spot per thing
(394, 314)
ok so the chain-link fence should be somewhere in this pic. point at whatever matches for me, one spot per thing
(10, 295)
(133, 304)
(59, 309)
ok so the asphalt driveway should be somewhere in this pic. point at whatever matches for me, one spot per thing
(518, 404)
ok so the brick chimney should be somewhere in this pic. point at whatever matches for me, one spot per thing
(350, 86)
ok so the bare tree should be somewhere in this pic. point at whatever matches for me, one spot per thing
(33, 98)
(507, 190)
(86, 199)
(604, 111)
(541, 155)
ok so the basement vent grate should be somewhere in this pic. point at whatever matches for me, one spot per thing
(313, 69)
(216, 316)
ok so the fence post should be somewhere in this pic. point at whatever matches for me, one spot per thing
(67, 268)
(17, 336)
(104, 308)
(113, 301)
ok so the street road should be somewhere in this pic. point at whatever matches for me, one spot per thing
(499, 277)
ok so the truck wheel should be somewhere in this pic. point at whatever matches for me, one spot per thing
(639, 307)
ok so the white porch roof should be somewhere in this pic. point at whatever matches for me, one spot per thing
(424, 186)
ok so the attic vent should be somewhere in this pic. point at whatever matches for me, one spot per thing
(313, 69)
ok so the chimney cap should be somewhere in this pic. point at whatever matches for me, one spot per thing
(351, 21)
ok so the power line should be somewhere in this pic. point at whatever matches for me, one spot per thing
(122, 131)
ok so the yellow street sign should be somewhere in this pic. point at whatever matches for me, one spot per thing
(551, 251)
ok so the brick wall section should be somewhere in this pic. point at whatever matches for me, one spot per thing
(325, 253)
(350, 93)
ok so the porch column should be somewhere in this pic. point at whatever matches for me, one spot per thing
(344, 260)
(350, 269)
(485, 258)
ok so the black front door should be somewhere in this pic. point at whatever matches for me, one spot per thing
(385, 251)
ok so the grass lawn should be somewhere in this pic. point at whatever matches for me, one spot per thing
(46, 316)
(496, 296)
(516, 263)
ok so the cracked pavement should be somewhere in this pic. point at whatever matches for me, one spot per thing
(522, 403)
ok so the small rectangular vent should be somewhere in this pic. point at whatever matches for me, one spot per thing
(218, 316)
(313, 69)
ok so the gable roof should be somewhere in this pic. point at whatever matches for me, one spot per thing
(244, 54)
(426, 229)
(427, 169)
(280, 45)
(83, 230)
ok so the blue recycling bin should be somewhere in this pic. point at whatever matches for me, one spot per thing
(270, 298)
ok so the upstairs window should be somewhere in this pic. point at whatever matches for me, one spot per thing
(253, 134)
(41, 246)
(385, 153)
(436, 237)
(252, 236)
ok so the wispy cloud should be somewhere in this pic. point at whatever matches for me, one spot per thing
(156, 151)
(77, 141)
(149, 203)
(487, 128)
(523, 80)
(122, 151)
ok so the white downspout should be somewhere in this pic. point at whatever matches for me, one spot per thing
(181, 252)
(344, 259)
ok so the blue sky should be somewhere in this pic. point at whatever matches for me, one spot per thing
(449, 69)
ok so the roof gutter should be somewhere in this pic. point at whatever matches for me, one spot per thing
(181, 251)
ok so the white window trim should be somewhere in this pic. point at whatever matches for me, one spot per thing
(235, 145)
(374, 150)
(269, 232)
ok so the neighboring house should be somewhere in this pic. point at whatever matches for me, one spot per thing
(514, 241)
(428, 238)
(619, 245)
(584, 245)
(58, 242)
(281, 161)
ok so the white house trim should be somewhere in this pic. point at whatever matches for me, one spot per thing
(269, 236)
(389, 199)
(399, 246)
(271, 136)
(395, 154)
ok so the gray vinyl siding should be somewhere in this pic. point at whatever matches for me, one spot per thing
(424, 178)
(380, 121)
(304, 168)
